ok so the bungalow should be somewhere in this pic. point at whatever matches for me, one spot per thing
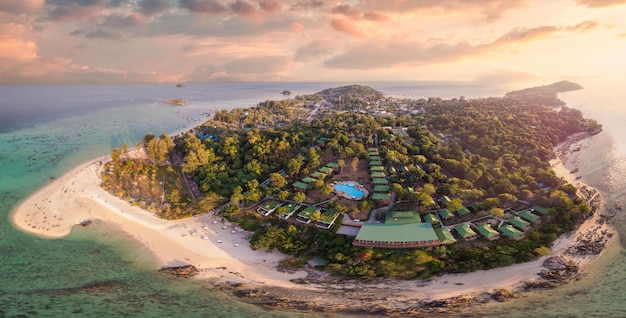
(511, 232)
(518, 223)
(465, 232)
(384, 198)
(318, 175)
(444, 200)
(446, 214)
(377, 168)
(404, 169)
(376, 163)
(288, 210)
(372, 150)
(402, 217)
(374, 175)
(529, 216)
(374, 158)
(391, 170)
(488, 232)
(326, 170)
(321, 141)
(474, 207)
(305, 215)
(445, 237)
(463, 211)
(431, 218)
(381, 188)
(300, 186)
(268, 207)
(334, 166)
(308, 180)
(326, 219)
(380, 181)
(540, 209)
(396, 235)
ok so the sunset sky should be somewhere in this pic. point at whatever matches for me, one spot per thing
(95, 41)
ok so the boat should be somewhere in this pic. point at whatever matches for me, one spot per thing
(85, 223)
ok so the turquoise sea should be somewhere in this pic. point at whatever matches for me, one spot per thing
(45, 130)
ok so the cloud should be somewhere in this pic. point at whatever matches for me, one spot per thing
(344, 26)
(269, 5)
(490, 9)
(375, 16)
(13, 48)
(307, 5)
(257, 68)
(203, 6)
(20, 6)
(392, 52)
(600, 3)
(242, 7)
(313, 50)
(152, 7)
(124, 21)
(103, 34)
(347, 10)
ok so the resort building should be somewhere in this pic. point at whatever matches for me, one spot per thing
(334, 166)
(487, 232)
(308, 180)
(465, 232)
(511, 232)
(380, 181)
(307, 213)
(463, 211)
(376, 163)
(326, 170)
(377, 168)
(402, 217)
(384, 198)
(326, 220)
(288, 210)
(445, 237)
(375, 175)
(382, 188)
(445, 214)
(540, 209)
(396, 235)
(318, 175)
(431, 218)
(300, 186)
(529, 216)
(518, 223)
(444, 200)
(268, 207)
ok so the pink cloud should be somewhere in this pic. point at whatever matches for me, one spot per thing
(344, 26)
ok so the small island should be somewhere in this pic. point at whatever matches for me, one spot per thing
(177, 101)
(286, 93)
(350, 186)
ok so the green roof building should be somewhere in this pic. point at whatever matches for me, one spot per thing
(431, 218)
(384, 197)
(377, 168)
(290, 209)
(300, 186)
(377, 175)
(308, 180)
(381, 188)
(518, 222)
(333, 165)
(488, 232)
(326, 170)
(465, 231)
(380, 181)
(396, 235)
(374, 158)
(445, 237)
(268, 207)
(372, 149)
(446, 214)
(318, 175)
(540, 209)
(376, 163)
(392, 170)
(463, 211)
(529, 216)
(402, 217)
(445, 200)
(511, 232)
(305, 215)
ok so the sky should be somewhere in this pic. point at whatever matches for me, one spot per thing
(173, 41)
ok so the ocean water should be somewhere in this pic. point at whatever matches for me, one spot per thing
(45, 130)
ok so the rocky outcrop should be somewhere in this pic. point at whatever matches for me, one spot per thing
(560, 270)
(180, 271)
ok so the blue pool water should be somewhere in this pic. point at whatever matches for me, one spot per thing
(350, 189)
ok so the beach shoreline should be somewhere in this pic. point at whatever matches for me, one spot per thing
(220, 250)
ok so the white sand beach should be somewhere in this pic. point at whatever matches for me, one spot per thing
(220, 250)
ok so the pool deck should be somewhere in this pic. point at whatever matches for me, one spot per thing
(357, 186)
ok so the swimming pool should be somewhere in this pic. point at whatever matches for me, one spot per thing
(350, 189)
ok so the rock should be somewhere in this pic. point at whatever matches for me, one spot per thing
(180, 271)
(503, 295)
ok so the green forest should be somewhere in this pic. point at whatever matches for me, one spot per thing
(492, 152)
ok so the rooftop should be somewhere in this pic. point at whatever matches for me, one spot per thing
(445, 237)
(465, 231)
(487, 231)
(529, 216)
(397, 233)
(402, 217)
